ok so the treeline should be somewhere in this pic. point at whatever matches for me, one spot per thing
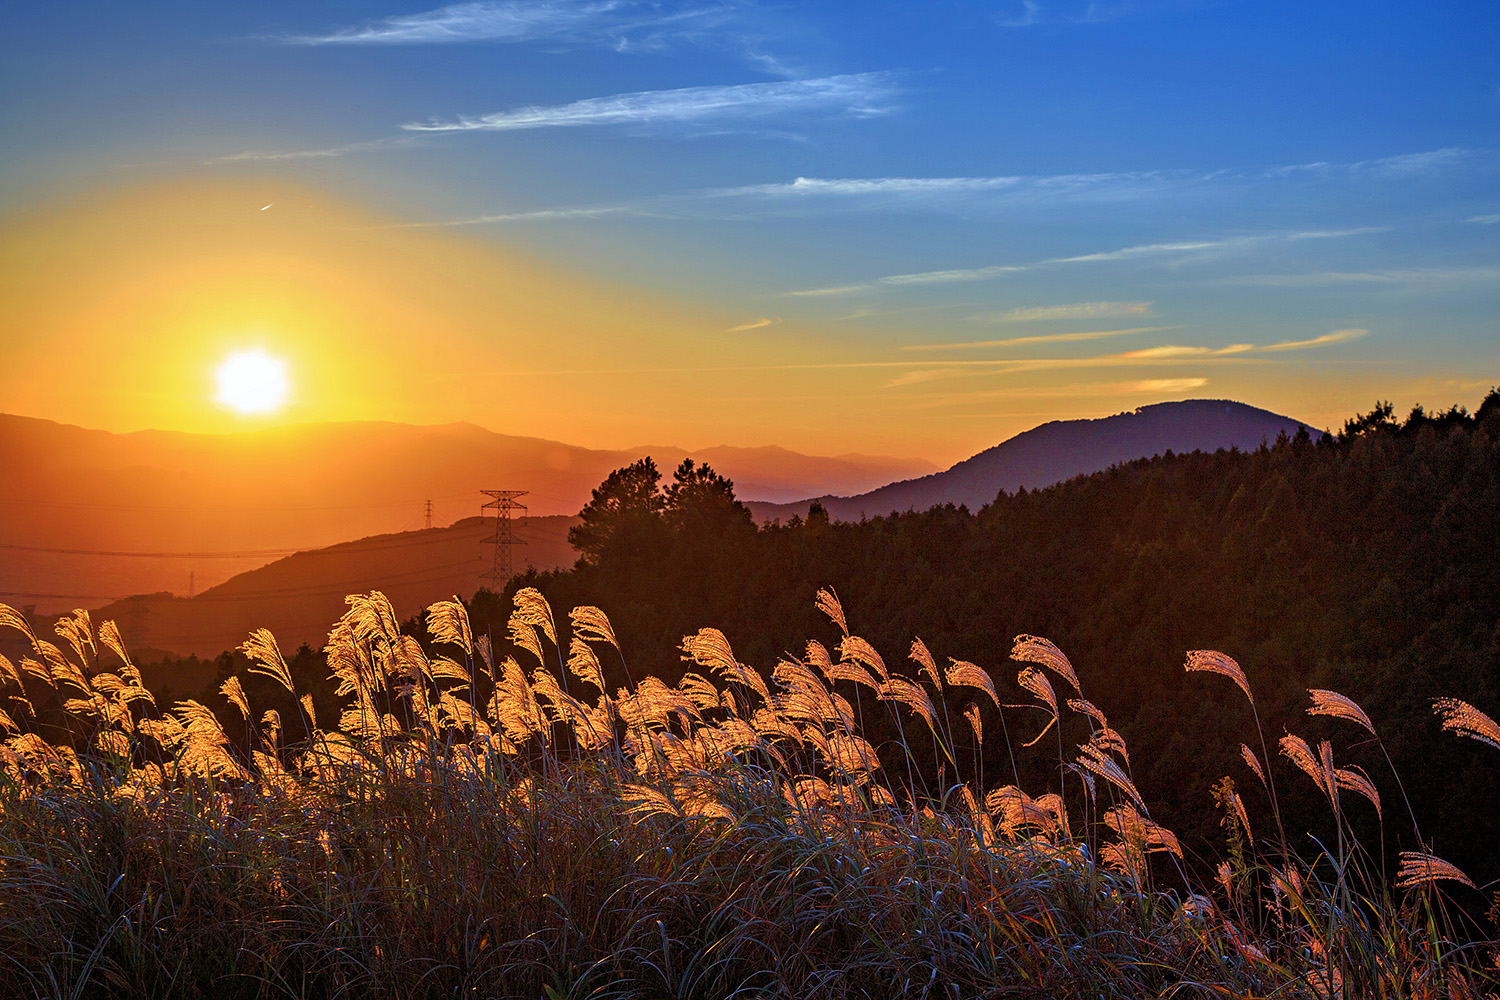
(1367, 562)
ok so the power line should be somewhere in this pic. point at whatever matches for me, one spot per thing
(64, 597)
(333, 549)
(216, 510)
(244, 554)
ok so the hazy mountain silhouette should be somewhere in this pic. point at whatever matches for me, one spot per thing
(270, 492)
(1059, 450)
(299, 597)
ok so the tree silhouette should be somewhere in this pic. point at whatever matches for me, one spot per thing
(623, 510)
(700, 500)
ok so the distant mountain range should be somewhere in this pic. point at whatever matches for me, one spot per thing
(239, 501)
(99, 495)
(1059, 450)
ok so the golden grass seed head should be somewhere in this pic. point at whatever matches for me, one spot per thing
(1419, 869)
(532, 609)
(1466, 720)
(966, 674)
(448, 621)
(1253, 762)
(1334, 704)
(1035, 649)
(593, 624)
(828, 603)
(1217, 663)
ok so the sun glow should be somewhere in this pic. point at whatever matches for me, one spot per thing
(252, 382)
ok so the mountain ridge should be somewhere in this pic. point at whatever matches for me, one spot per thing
(1058, 450)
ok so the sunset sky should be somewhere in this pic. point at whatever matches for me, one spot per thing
(898, 228)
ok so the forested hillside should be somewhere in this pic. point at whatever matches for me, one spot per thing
(1367, 563)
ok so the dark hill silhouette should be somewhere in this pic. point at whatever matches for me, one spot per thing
(300, 596)
(1059, 450)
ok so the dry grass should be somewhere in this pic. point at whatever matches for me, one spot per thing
(490, 823)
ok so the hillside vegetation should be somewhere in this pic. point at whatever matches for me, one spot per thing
(1367, 563)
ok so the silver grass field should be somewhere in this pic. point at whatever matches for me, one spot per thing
(497, 823)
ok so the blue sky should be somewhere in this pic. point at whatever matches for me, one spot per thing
(1292, 204)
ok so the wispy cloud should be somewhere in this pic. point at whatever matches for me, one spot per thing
(918, 376)
(1050, 338)
(1171, 385)
(615, 23)
(1336, 337)
(1168, 385)
(346, 149)
(1030, 13)
(1155, 356)
(953, 274)
(1144, 250)
(1022, 190)
(1484, 220)
(1075, 310)
(754, 324)
(1398, 166)
(1414, 276)
(832, 290)
(857, 94)
(627, 26)
(998, 190)
(1175, 351)
(1033, 13)
(916, 372)
(543, 214)
(963, 194)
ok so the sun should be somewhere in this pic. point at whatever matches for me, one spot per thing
(252, 382)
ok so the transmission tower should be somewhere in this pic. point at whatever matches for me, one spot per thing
(502, 502)
(427, 515)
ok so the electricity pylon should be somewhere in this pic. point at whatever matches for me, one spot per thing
(502, 502)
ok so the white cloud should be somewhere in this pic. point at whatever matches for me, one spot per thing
(1485, 220)
(846, 186)
(1401, 165)
(754, 324)
(1336, 337)
(1050, 338)
(1174, 351)
(1075, 310)
(964, 194)
(620, 24)
(862, 94)
(543, 214)
(315, 154)
(1167, 385)
(998, 190)
(956, 274)
(833, 290)
(1143, 250)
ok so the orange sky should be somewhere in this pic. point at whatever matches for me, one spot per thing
(120, 304)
